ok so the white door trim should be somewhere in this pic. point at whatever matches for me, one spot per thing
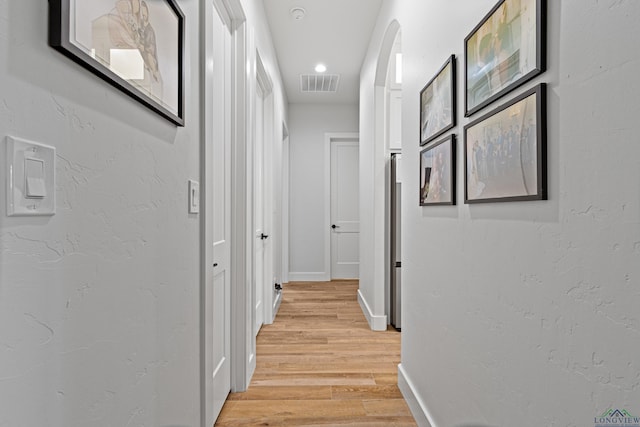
(206, 222)
(285, 204)
(232, 14)
(328, 137)
(265, 86)
(243, 362)
(210, 398)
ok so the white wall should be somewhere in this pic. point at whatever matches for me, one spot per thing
(99, 304)
(525, 313)
(308, 124)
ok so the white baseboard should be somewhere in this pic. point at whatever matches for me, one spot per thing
(376, 323)
(315, 276)
(416, 405)
(276, 304)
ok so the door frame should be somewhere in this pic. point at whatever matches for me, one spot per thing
(209, 11)
(328, 138)
(242, 341)
(232, 15)
(268, 138)
(284, 206)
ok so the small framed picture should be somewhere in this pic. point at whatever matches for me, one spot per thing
(505, 151)
(506, 49)
(438, 103)
(437, 173)
(135, 45)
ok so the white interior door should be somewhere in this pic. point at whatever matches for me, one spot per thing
(345, 217)
(258, 212)
(216, 216)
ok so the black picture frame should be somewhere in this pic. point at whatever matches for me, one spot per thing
(505, 151)
(438, 173)
(506, 49)
(438, 103)
(138, 52)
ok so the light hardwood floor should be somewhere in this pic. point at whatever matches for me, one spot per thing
(319, 364)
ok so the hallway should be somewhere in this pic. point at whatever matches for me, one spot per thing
(320, 364)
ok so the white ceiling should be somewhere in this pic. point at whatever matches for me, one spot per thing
(333, 32)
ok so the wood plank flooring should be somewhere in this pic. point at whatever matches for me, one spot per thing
(319, 364)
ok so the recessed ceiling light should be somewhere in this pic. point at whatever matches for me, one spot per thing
(298, 13)
(321, 68)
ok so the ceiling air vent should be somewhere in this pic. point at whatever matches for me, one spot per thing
(319, 82)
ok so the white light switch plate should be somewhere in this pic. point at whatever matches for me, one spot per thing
(194, 196)
(31, 178)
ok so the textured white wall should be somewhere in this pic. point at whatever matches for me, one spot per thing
(308, 124)
(99, 303)
(527, 313)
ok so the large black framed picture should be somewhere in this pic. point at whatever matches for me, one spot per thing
(438, 103)
(506, 49)
(135, 45)
(505, 151)
(437, 173)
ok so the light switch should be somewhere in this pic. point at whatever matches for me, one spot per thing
(34, 173)
(194, 196)
(30, 178)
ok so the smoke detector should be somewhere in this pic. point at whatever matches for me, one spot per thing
(298, 13)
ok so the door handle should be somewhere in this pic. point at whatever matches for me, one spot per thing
(263, 236)
(334, 226)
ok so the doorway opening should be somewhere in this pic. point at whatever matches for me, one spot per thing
(393, 184)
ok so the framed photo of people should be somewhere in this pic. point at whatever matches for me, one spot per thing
(437, 173)
(505, 151)
(438, 103)
(506, 49)
(135, 45)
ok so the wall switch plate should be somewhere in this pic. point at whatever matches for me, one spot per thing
(31, 178)
(194, 196)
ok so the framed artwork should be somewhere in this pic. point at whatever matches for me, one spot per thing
(506, 49)
(505, 151)
(135, 45)
(438, 103)
(437, 173)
